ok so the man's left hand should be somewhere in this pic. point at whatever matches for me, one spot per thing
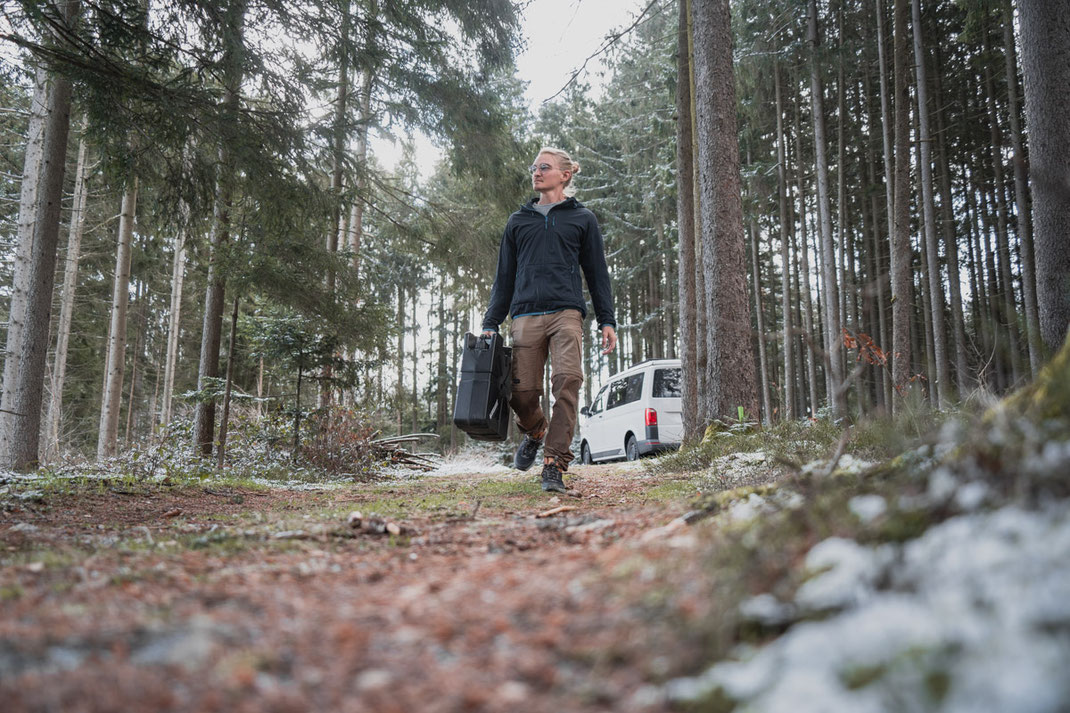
(609, 339)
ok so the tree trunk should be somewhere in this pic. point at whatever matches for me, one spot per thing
(400, 357)
(297, 416)
(701, 357)
(224, 420)
(66, 311)
(685, 217)
(441, 378)
(35, 267)
(730, 366)
(902, 297)
(936, 289)
(178, 272)
(335, 232)
(141, 300)
(364, 97)
(788, 404)
(830, 297)
(212, 327)
(1021, 195)
(958, 333)
(807, 304)
(1046, 70)
(887, 134)
(763, 364)
(1003, 252)
(116, 355)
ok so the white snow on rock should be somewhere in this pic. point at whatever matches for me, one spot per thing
(971, 617)
(748, 508)
(848, 572)
(867, 507)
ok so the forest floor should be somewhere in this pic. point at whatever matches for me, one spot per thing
(795, 569)
(124, 597)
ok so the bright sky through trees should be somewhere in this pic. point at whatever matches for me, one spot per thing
(558, 36)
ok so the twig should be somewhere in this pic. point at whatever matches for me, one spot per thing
(553, 511)
(610, 40)
(838, 453)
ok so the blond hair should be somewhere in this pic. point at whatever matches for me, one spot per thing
(564, 163)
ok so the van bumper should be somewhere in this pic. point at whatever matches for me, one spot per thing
(653, 444)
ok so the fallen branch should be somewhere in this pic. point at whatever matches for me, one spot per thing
(553, 511)
(390, 449)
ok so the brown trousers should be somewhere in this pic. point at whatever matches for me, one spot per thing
(560, 335)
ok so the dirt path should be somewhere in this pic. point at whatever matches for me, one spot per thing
(116, 598)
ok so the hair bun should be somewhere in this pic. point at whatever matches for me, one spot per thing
(575, 168)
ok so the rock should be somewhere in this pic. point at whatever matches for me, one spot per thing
(189, 648)
(513, 692)
(374, 678)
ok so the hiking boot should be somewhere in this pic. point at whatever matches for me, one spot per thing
(525, 453)
(551, 478)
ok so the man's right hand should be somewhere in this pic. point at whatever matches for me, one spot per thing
(489, 333)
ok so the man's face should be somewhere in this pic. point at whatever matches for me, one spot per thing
(548, 179)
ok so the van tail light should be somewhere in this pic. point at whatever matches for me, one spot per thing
(650, 418)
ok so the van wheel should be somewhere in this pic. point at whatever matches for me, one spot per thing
(631, 448)
(585, 453)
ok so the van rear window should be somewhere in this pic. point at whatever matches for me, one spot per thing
(668, 383)
(625, 391)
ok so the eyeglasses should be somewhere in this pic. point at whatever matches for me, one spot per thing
(544, 167)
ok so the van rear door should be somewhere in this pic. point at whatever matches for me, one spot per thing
(665, 398)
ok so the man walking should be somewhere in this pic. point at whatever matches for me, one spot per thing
(544, 247)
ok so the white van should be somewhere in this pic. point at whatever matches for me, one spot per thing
(637, 412)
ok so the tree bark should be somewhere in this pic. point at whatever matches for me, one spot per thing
(901, 254)
(107, 437)
(936, 285)
(141, 300)
(759, 311)
(400, 357)
(339, 132)
(1003, 251)
(35, 267)
(830, 298)
(806, 303)
(788, 404)
(958, 333)
(212, 327)
(1045, 30)
(178, 273)
(224, 420)
(364, 121)
(1021, 195)
(730, 366)
(66, 311)
(887, 134)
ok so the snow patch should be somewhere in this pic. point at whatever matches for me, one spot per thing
(867, 507)
(970, 617)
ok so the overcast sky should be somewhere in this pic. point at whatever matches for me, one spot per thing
(561, 34)
(558, 36)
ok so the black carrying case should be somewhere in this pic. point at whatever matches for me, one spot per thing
(482, 406)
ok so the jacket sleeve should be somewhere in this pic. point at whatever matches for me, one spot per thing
(501, 295)
(593, 262)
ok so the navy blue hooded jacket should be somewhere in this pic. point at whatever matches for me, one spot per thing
(539, 265)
